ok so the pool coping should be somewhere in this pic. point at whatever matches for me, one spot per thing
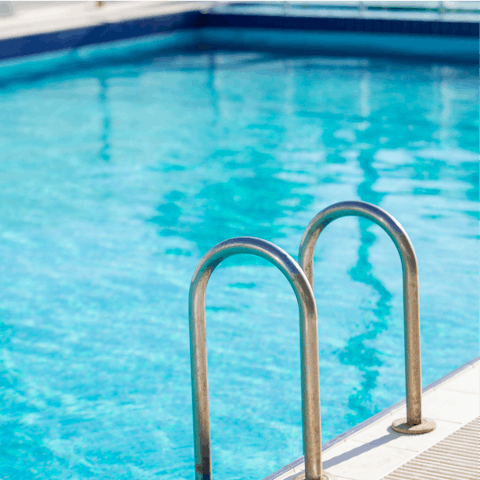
(373, 419)
(97, 27)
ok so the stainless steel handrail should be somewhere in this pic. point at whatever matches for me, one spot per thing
(312, 442)
(414, 423)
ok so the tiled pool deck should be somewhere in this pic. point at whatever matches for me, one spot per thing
(373, 451)
(79, 15)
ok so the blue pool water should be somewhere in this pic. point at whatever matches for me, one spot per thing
(115, 180)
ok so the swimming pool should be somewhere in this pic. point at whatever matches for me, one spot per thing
(115, 181)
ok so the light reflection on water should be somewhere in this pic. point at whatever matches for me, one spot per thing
(117, 180)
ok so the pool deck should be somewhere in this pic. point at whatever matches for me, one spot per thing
(351, 10)
(373, 451)
(32, 20)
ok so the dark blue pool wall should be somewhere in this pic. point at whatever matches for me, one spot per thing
(327, 24)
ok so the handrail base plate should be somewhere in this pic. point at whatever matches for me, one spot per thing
(401, 426)
(325, 476)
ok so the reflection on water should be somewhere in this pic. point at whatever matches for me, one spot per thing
(359, 352)
(106, 122)
(21, 438)
(246, 201)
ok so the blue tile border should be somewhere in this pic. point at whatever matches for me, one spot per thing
(328, 24)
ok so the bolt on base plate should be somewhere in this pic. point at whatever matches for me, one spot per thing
(325, 476)
(402, 426)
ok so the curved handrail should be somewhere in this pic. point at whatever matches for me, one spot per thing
(410, 287)
(308, 343)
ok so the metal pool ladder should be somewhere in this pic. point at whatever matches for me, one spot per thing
(312, 439)
(414, 423)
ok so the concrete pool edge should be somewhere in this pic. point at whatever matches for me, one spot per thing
(97, 33)
(370, 421)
